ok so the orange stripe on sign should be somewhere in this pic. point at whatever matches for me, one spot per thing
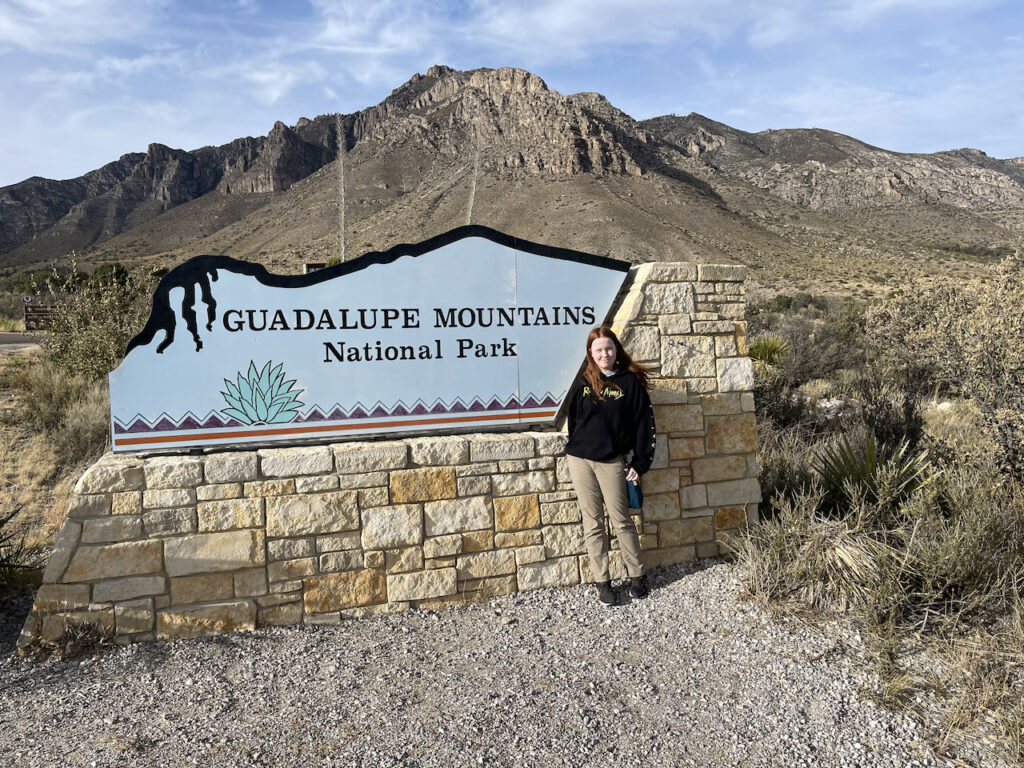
(155, 439)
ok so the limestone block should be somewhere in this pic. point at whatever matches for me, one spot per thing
(668, 298)
(318, 483)
(687, 356)
(134, 616)
(721, 272)
(373, 559)
(714, 326)
(669, 556)
(63, 549)
(457, 515)
(550, 443)
(127, 588)
(337, 541)
(517, 539)
(675, 324)
(501, 447)
(542, 462)
(562, 572)
(108, 561)
(562, 470)
(112, 474)
(473, 486)
(208, 552)
(347, 560)
(442, 546)
(725, 346)
(335, 591)
(484, 589)
(173, 472)
(213, 619)
(395, 526)
(666, 272)
(685, 447)
(264, 488)
(562, 540)
(61, 597)
(513, 465)
(693, 497)
(690, 530)
(230, 514)
(730, 517)
(616, 568)
(280, 615)
(557, 512)
(299, 460)
(404, 559)
(426, 484)
(631, 305)
(661, 451)
(373, 497)
(282, 587)
(440, 562)
(250, 582)
(711, 470)
(532, 554)
(420, 586)
(482, 565)
(522, 482)
(747, 402)
(108, 529)
(126, 503)
(735, 374)
(734, 492)
(202, 588)
(231, 467)
(433, 451)
(167, 522)
(477, 541)
(290, 570)
(312, 514)
(661, 506)
(660, 481)
(479, 468)
(290, 549)
(169, 497)
(699, 386)
(732, 434)
(84, 506)
(353, 458)
(214, 492)
(678, 418)
(724, 404)
(514, 513)
(643, 342)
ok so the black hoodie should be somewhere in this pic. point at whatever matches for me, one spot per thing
(622, 420)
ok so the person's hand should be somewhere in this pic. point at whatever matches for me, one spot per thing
(632, 476)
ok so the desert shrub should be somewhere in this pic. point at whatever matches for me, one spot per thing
(84, 433)
(95, 323)
(16, 557)
(47, 392)
(966, 336)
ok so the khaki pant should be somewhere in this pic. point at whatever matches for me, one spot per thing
(601, 484)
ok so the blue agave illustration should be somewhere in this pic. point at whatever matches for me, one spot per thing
(262, 397)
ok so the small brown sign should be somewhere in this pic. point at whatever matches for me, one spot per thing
(39, 317)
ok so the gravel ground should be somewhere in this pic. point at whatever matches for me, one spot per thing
(690, 676)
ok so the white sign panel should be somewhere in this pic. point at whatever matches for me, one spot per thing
(470, 329)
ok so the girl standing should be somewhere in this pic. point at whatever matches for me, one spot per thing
(610, 415)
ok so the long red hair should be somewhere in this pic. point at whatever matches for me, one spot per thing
(622, 360)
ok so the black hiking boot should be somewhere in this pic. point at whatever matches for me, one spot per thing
(605, 593)
(638, 588)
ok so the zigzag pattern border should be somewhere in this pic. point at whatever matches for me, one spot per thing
(214, 420)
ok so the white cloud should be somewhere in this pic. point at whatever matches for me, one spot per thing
(53, 25)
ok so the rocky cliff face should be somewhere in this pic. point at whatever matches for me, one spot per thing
(822, 170)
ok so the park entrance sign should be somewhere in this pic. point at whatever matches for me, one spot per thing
(472, 328)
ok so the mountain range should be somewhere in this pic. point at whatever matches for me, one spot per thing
(805, 209)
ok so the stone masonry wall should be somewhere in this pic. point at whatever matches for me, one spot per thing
(180, 546)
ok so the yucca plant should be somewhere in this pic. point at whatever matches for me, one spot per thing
(262, 397)
(769, 350)
(875, 474)
(16, 557)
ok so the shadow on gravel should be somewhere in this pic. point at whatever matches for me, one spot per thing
(659, 578)
(13, 611)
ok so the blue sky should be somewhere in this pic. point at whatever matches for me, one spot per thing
(85, 81)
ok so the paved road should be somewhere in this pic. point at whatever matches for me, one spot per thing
(15, 338)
